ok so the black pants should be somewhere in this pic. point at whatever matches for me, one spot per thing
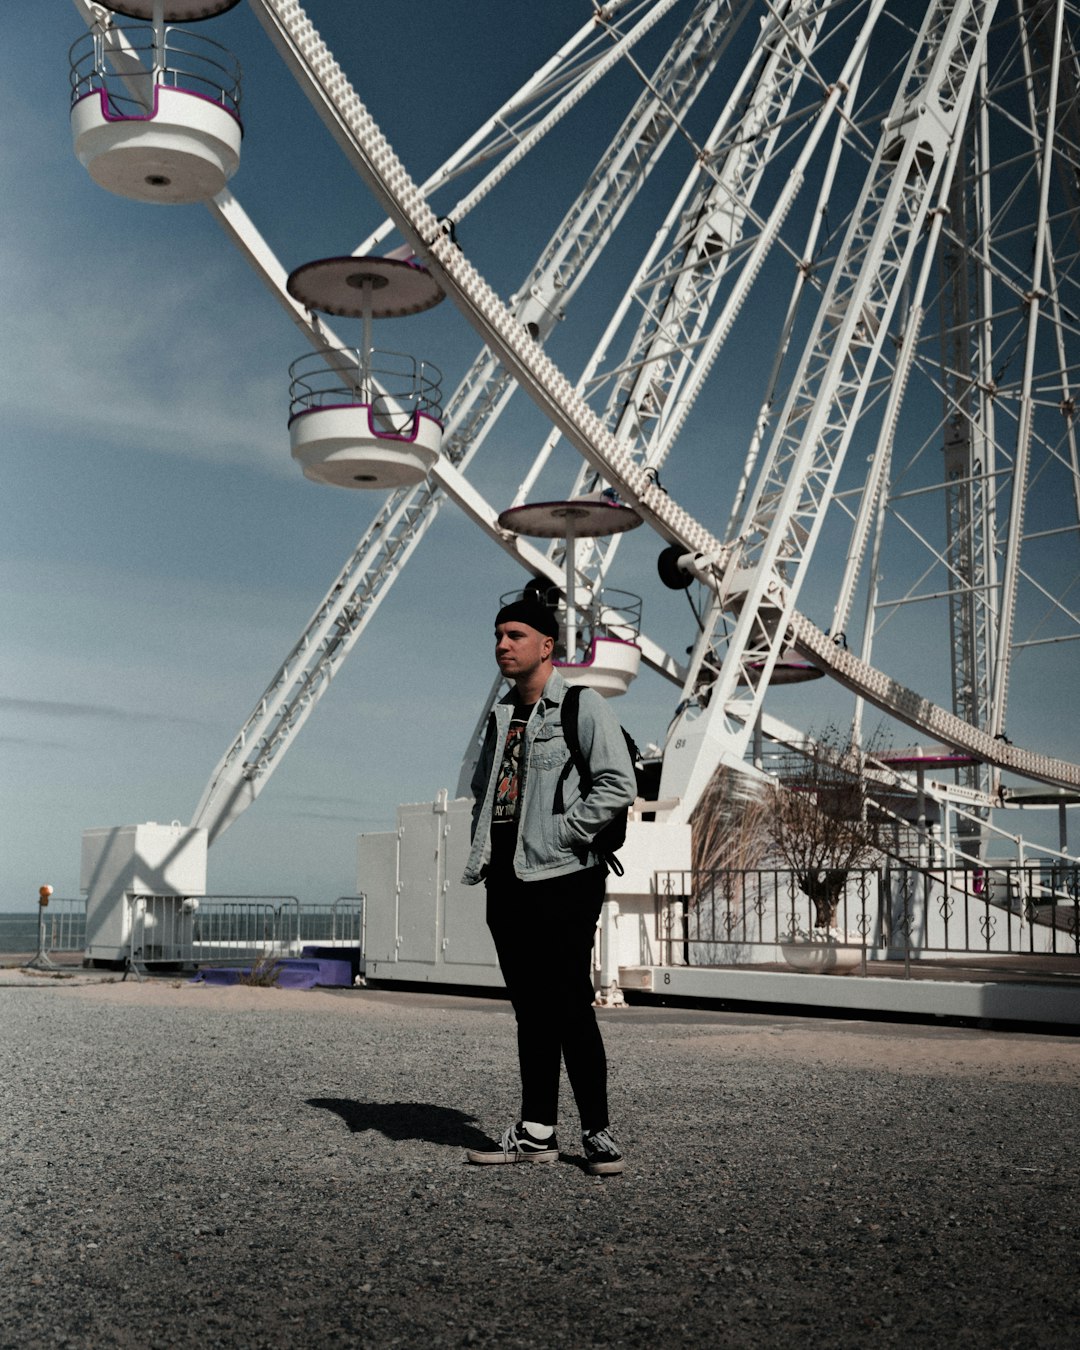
(544, 933)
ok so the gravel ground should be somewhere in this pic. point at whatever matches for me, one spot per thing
(188, 1165)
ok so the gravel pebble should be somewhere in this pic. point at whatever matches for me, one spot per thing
(187, 1166)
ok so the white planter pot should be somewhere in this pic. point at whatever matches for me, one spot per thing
(821, 958)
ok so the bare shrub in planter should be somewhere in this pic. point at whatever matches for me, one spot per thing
(822, 823)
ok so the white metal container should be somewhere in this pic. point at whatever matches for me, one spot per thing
(185, 150)
(121, 862)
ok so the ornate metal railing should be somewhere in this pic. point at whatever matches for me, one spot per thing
(731, 916)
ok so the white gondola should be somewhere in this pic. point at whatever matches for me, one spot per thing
(345, 446)
(613, 656)
(185, 150)
(361, 418)
(155, 110)
(609, 668)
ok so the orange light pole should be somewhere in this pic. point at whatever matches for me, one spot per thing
(41, 960)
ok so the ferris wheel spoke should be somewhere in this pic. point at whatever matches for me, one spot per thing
(1011, 571)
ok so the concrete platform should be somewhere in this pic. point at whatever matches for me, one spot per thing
(1039, 992)
(1034, 991)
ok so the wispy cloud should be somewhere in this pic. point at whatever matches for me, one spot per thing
(313, 800)
(110, 367)
(42, 707)
(33, 743)
(311, 806)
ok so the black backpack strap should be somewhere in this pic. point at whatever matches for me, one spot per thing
(569, 716)
(490, 733)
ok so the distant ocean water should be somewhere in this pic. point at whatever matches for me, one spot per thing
(63, 931)
(18, 932)
(218, 919)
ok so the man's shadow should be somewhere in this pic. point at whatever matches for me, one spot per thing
(406, 1120)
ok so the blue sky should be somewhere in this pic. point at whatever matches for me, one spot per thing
(161, 552)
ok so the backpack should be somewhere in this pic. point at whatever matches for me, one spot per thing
(613, 835)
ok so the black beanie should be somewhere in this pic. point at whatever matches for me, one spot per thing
(531, 612)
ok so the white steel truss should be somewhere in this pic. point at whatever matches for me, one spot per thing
(710, 229)
(928, 214)
(762, 575)
(946, 48)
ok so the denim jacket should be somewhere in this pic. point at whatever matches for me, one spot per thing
(550, 845)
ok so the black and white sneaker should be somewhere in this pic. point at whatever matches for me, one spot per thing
(516, 1145)
(602, 1158)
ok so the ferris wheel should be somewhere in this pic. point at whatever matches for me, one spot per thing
(854, 291)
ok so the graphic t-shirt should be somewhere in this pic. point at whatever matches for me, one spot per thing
(509, 786)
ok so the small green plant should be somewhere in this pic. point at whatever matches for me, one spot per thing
(264, 972)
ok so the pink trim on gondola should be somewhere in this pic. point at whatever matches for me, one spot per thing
(584, 665)
(149, 117)
(900, 760)
(376, 435)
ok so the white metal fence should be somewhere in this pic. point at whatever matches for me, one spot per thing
(59, 926)
(222, 929)
(193, 930)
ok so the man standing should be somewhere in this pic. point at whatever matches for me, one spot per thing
(545, 885)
